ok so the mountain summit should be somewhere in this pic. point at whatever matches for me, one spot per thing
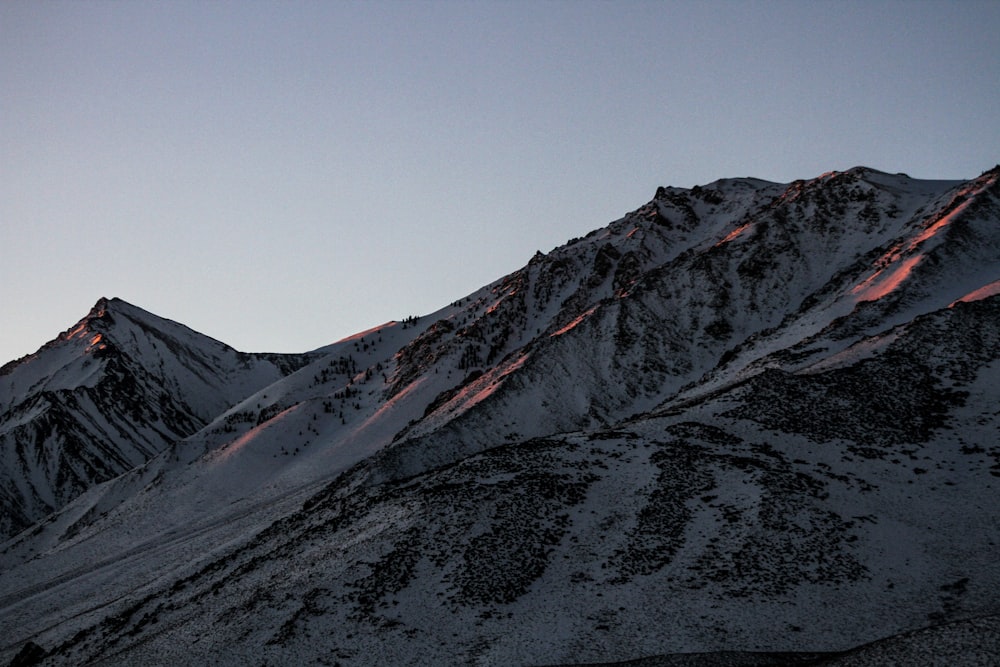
(748, 421)
(105, 396)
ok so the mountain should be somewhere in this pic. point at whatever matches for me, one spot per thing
(107, 395)
(747, 423)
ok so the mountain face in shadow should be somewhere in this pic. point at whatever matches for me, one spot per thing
(747, 423)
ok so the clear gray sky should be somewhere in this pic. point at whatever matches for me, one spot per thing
(279, 175)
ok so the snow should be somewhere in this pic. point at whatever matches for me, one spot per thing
(105, 396)
(597, 411)
(886, 280)
(984, 292)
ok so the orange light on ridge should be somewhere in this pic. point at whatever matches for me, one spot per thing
(576, 320)
(885, 281)
(992, 289)
(78, 330)
(482, 388)
(965, 196)
(938, 225)
(733, 234)
(241, 443)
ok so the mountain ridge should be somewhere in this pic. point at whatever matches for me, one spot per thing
(761, 415)
(107, 394)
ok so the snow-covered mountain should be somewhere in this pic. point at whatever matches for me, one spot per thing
(107, 395)
(748, 421)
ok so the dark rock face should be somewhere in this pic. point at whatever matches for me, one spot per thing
(31, 654)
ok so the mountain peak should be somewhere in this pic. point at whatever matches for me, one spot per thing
(108, 394)
(97, 313)
(772, 403)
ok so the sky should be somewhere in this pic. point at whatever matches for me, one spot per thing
(280, 175)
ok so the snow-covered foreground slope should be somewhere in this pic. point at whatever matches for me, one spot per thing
(107, 395)
(747, 417)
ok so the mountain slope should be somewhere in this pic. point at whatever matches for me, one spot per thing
(107, 395)
(749, 279)
(747, 417)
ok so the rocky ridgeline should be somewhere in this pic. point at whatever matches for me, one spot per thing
(748, 423)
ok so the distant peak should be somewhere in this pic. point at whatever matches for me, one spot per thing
(114, 305)
(98, 319)
(100, 308)
(85, 326)
(105, 302)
